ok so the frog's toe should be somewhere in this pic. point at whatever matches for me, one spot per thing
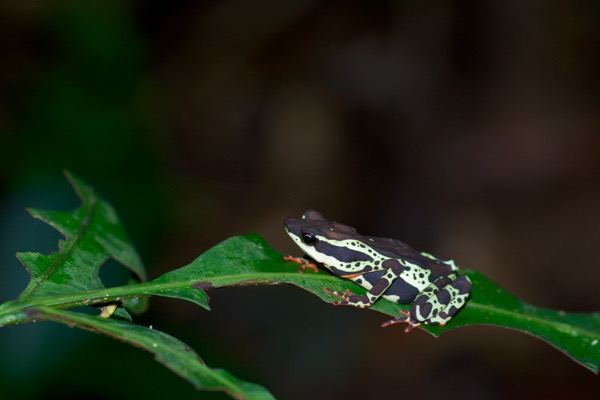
(404, 318)
(411, 326)
(303, 263)
(345, 296)
(341, 295)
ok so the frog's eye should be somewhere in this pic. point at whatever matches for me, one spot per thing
(309, 239)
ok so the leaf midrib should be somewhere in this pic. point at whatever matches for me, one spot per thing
(144, 289)
(71, 245)
(568, 328)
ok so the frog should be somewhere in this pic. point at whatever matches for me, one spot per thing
(385, 267)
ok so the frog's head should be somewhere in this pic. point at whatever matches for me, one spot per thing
(325, 241)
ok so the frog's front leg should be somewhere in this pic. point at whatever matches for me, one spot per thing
(304, 263)
(393, 270)
(437, 303)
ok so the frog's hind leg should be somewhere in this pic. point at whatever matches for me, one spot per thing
(437, 303)
(441, 300)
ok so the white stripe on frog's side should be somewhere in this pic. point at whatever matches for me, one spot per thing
(349, 244)
(330, 261)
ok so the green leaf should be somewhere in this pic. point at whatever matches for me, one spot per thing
(70, 277)
(171, 352)
(248, 260)
(575, 334)
(92, 234)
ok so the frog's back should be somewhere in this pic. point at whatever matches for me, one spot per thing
(394, 248)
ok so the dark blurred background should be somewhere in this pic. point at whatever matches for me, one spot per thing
(469, 129)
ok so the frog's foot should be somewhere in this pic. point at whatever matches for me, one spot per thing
(303, 263)
(351, 299)
(405, 318)
(345, 296)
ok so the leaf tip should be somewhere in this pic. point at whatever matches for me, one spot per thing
(78, 185)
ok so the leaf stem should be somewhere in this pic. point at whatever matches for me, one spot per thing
(14, 312)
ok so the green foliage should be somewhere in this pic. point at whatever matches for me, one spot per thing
(69, 278)
(167, 350)
(92, 234)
